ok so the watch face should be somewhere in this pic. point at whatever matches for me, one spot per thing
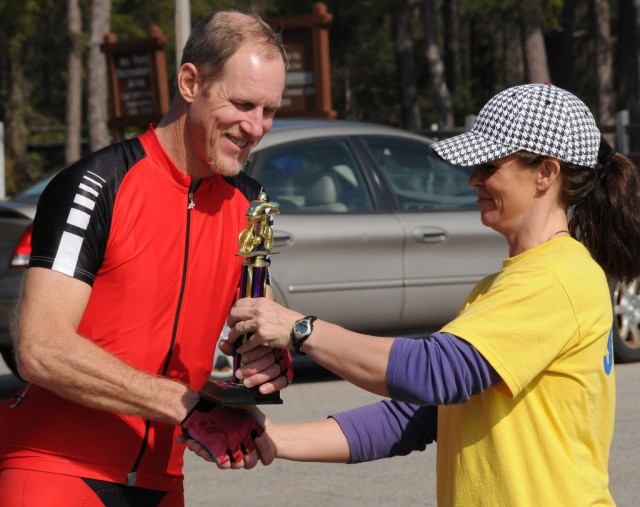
(301, 327)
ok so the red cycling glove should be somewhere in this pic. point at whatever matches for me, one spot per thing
(283, 358)
(225, 433)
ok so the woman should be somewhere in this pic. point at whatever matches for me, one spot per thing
(519, 389)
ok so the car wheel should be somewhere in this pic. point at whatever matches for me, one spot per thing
(9, 358)
(626, 320)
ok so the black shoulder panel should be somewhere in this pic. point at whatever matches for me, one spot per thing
(249, 187)
(73, 219)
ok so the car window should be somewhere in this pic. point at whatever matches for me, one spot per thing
(316, 176)
(420, 180)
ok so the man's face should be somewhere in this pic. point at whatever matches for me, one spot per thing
(230, 115)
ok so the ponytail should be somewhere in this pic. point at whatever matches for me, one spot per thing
(604, 211)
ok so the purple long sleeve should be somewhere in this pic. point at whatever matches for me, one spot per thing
(421, 374)
(441, 370)
(388, 428)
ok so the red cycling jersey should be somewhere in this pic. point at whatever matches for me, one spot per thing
(162, 264)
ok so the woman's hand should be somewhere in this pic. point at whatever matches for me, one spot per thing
(268, 322)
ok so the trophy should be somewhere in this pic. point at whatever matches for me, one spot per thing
(254, 243)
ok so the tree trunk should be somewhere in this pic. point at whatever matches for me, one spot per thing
(483, 66)
(604, 62)
(74, 84)
(97, 65)
(451, 47)
(405, 65)
(436, 67)
(626, 50)
(560, 50)
(16, 128)
(636, 102)
(512, 69)
(535, 54)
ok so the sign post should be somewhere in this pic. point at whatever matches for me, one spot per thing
(183, 28)
(308, 81)
(2, 170)
(137, 73)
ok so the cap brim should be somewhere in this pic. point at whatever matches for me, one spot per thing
(470, 149)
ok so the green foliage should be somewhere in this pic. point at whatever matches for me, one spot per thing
(363, 72)
(34, 44)
(549, 10)
(32, 82)
(15, 182)
(29, 30)
(133, 19)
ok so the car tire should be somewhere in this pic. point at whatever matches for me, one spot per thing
(9, 358)
(626, 320)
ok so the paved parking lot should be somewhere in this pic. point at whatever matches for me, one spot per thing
(408, 481)
(399, 481)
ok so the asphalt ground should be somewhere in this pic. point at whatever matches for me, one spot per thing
(404, 481)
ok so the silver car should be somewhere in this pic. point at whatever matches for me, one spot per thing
(374, 233)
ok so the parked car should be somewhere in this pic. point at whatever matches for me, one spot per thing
(16, 216)
(374, 234)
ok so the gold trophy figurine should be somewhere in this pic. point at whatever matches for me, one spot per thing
(254, 243)
(259, 227)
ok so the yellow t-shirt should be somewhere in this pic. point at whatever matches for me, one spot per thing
(541, 437)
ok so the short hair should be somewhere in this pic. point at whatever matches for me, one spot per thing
(218, 36)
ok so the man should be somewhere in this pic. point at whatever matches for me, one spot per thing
(133, 271)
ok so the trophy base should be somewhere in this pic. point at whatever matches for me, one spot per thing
(230, 393)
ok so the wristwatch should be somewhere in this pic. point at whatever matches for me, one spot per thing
(300, 331)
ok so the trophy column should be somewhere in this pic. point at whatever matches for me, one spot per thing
(254, 243)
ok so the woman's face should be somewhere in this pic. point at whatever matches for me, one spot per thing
(507, 189)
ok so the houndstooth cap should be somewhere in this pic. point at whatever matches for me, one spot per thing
(539, 118)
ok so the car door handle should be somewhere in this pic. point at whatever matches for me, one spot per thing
(281, 238)
(429, 234)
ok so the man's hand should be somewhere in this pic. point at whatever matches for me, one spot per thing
(226, 434)
(270, 369)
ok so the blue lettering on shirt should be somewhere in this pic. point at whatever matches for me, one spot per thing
(608, 359)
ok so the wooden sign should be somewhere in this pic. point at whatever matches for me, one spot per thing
(308, 81)
(138, 89)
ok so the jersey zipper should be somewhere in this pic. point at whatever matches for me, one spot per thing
(19, 397)
(131, 476)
